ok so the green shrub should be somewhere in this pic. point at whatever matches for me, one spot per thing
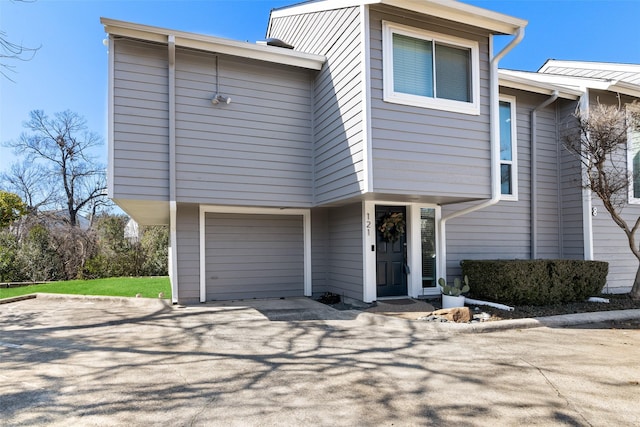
(535, 282)
(10, 266)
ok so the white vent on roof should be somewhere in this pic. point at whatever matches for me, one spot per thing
(275, 42)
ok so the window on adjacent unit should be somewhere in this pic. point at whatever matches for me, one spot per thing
(430, 70)
(633, 153)
(508, 149)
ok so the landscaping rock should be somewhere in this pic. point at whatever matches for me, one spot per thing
(457, 314)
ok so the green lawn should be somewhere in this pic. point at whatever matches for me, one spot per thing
(147, 287)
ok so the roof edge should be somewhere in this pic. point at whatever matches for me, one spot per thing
(606, 66)
(530, 85)
(214, 44)
(580, 82)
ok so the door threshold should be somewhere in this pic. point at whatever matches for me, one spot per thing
(394, 297)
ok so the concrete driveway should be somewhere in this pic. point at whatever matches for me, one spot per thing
(94, 361)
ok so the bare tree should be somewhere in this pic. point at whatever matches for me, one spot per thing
(11, 51)
(58, 151)
(600, 144)
(29, 181)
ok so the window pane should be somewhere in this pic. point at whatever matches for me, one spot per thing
(428, 239)
(453, 73)
(505, 131)
(505, 179)
(412, 66)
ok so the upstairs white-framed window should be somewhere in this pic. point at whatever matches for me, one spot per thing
(508, 149)
(633, 152)
(431, 70)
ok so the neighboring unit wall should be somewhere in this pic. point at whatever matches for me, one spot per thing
(345, 258)
(571, 194)
(140, 122)
(609, 241)
(422, 151)
(338, 97)
(610, 244)
(503, 231)
(256, 150)
(548, 186)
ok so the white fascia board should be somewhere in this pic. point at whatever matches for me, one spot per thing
(445, 9)
(589, 83)
(570, 82)
(529, 85)
(625, 88)
(214, 44)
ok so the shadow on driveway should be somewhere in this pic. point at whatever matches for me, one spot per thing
(98, 361)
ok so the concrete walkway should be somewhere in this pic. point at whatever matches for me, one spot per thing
(108, 361)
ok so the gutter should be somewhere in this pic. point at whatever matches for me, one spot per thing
(534, 172)
(495, 147)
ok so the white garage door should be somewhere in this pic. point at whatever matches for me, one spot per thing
(254, 256)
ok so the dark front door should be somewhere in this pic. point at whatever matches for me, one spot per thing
(391, 253)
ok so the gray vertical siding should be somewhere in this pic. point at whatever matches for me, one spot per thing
(424, 151)
(338, 97)
(503, 231)
(188, 249)
(570, 187)
(345, 257)
(254, 256)
(609, 241)
(140, 126)
(256, 150)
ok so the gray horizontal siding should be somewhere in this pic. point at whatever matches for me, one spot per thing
(609, 241)
(254, 256)
(187, 232)
(549, 233)
(503, 231)
(345, 257)
(570, 187)
(256, 150)
(140, 112)
(610, 244)
(319, 249)
(338, 98)
(424, 151)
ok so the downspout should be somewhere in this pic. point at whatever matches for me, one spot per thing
(494, 136)
(534, 173)
(587, 203)
(173, 206)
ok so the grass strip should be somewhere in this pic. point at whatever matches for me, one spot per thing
(147, 287)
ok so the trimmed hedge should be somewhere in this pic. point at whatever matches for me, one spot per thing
(535, 282)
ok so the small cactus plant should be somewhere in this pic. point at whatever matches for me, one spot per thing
(457, 288)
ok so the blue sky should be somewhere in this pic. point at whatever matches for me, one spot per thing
(70, 70)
